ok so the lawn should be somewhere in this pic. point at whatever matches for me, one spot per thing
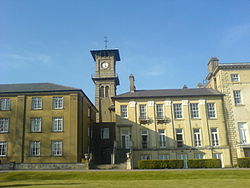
(162, 178)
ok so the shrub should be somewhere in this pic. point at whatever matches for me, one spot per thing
(204, 163)
(159, 164)
(244, 162)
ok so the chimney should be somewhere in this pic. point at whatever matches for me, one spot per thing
(212, 64)
(199, 85)
(185, 87)
(132, 83)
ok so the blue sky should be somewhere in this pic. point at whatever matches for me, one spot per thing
(164, 43)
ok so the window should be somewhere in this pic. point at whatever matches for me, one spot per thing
(197, 137)
(237, 97)
(199, 156)
(124, 111)
(3, 149)
(177, 111)
(101, 91)
(144, 137)
(35, 148)
(57, 124)
(107, 91)
(57, 148)
(4, 104)
(243, 132)
(179, 137)
(125, 134)
(89, 111)
(215, 137)
(36, 103)
(235, 78)
(36, 124)
(104, 133)
(162, 138)
(57, 102)
(211, 110)
(4, 125)
(194, 110)
(146, 157)
(164, 157)
(143, 111)
(159, 111)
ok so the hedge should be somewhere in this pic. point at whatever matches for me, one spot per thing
(204, 163)
(159, 164)
(244, 162)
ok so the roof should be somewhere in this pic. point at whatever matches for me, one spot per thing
(106, 52)
(192, 92)
(39, 87)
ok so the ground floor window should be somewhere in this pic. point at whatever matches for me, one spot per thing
(3, 149)
(57, 148)
(35, 148)
(199, 156)
(146, 157)
(164, 157)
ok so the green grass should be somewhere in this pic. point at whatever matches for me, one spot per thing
(166, 178)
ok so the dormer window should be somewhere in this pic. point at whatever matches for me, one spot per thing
(235, 78)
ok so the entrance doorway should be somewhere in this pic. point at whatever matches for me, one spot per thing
(125, 137)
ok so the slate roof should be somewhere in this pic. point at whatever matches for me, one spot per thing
(192, 92)
(34, 87)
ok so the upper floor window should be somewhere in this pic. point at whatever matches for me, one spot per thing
(35, 148)
(177, 111)
(57, 147)
(194, 107)
(237, 97)
(4, 104)
(4, 125)
(107, 91)
(124, 111)
(57, 102)
(105, 133)
(162, 138)
(211, 110)
(159, 111)
(57, 124)
(243, 132)
(197, 137)
(3, 149)
(36, 103)
(235, 78)
(179, 137)
(143, 111)
(144, 137)
(215, 136)
(36, 124)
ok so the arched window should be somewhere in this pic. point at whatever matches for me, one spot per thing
(107, 91)
(101, 92)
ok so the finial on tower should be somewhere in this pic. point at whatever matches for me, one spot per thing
(106, 42)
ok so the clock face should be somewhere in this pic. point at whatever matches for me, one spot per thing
(104, 65)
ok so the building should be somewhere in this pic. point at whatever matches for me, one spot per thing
(44, 123)
(171, 124)
(233, 80)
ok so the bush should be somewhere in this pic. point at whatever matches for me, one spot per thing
(204, 163)
(160, 164)
(244, 162)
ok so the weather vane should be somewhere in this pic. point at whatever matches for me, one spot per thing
(106, 42)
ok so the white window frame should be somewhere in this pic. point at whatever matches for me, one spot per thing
(57, 124)
(162, 138)
(3, 148)
(179, 132)
(159, 111)
(4, 125)
(35, 124)
(58, 103)
(199, 156)
(164, 157)
(35, 148)
(5, 104)
(144, 133)
(215, 137)
(235, 78)
(211, 110)
(143, 111)
(56, 148)
(243, 133)
(197, 137)
(124, 111)
(37, 103)
(237, 97)
(194, 108)
(177, 111)
(146, 157)
(105, 133)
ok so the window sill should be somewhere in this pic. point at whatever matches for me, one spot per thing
(239, 105)
(4, 132)
(179, 119)
(215, 118)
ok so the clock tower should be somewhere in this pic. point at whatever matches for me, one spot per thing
(106, 80)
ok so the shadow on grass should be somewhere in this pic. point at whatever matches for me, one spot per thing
(27, 185)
